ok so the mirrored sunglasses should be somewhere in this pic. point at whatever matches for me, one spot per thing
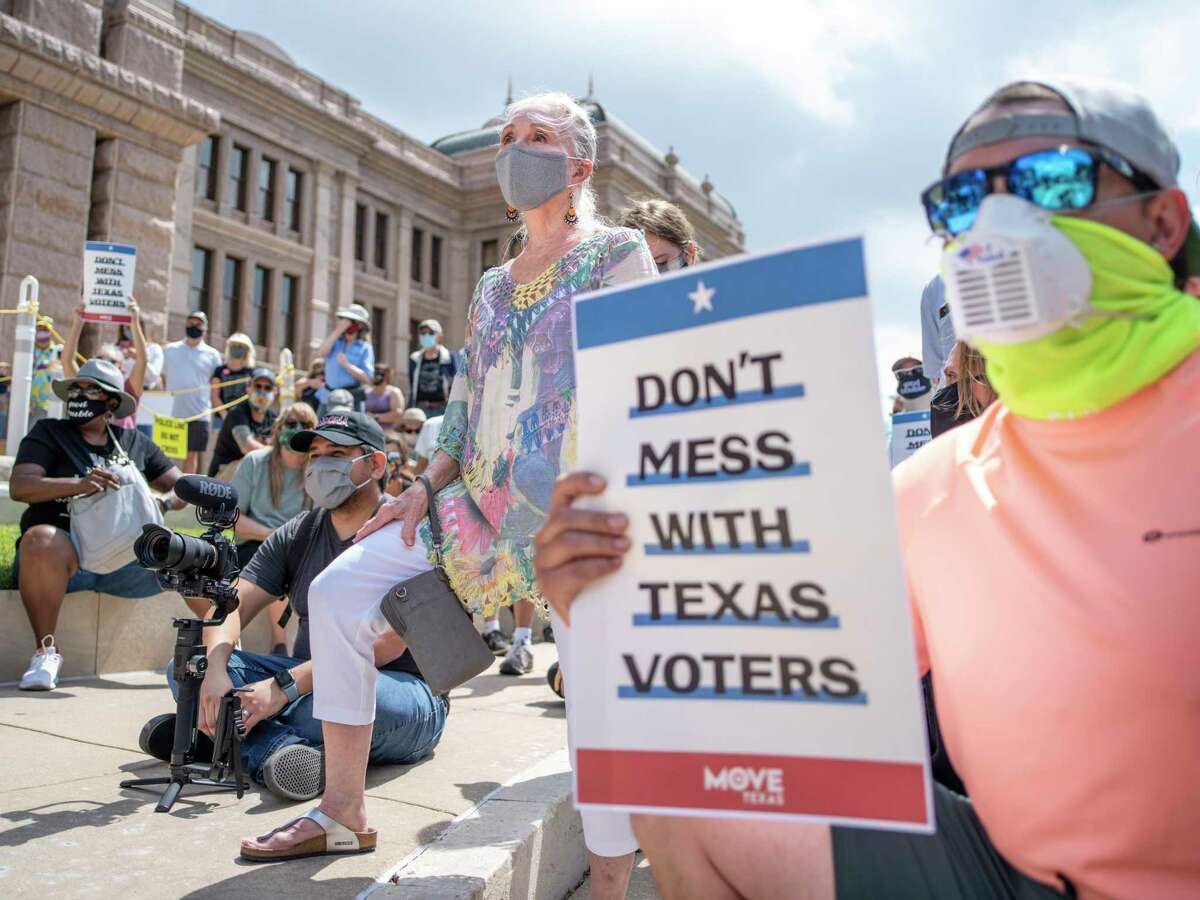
(1059, 180)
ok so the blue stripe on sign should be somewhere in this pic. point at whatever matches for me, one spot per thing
(742, 287)
(629, 692)
(799, 469)
(786, 392)
(901, 418)
(106, 247)
(725, 549)
(641, 620)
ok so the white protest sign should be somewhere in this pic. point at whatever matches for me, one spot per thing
(910, 432)
(108, 271)
(754, 655)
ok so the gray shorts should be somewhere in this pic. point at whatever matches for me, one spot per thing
(957, 863)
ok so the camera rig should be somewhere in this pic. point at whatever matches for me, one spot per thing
(201, 567)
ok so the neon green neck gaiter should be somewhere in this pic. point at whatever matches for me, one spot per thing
(1145, 328)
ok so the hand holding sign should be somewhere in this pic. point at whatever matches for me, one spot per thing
(576, 546)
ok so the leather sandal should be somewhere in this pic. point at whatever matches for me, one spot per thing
(338, 840)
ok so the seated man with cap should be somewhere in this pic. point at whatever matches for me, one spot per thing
(64, 458)
(349, 356)
(247, 426)
(431, 371)
(282, 749)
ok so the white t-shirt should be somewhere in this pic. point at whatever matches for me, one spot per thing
(427, 439)
(190, 367)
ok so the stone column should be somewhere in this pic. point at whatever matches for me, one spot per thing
(181, 270)
(216, 317)
(224, 197)
(346, 264)
(457, 287)
(271, 340)
(403, 306)
(133, 202)
(74, 21)
(246, 297)
(314, 316)
(255, 158)
(142, 36)
(45, 198)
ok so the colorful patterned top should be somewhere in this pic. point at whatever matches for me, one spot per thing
(39, 385)
(510, 421)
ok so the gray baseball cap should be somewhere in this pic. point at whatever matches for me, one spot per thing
(1103, 113)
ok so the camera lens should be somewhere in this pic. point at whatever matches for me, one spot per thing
(160, 548)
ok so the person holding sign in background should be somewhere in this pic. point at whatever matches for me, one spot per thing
(508, 432)
(135, 379)
(1066, 683)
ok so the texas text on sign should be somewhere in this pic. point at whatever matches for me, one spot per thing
(754, 655)
(108, 271)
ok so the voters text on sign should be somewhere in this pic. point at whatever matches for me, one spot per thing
(754, 655)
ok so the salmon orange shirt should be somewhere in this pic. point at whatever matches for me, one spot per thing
(1054, 572)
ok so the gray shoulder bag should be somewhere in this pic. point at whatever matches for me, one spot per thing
(427, 613)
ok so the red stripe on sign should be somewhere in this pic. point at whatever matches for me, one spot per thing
(747, 782)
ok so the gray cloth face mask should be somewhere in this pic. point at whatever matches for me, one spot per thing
(328, 480)
(528, 179)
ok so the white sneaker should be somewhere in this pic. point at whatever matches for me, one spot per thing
(42, 674)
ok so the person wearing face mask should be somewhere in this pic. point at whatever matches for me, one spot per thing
(431, 371)
(349, 356)
(913, 389)
(247, 426)
(508, 431)
(70, 457)
(1065, 674)
(46, 356)
(270, 490)
(669, 234)
(188, 366)
(385, 401)
(239, 362)
(283, 746)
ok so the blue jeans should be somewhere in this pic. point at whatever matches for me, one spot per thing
(130, 581)
(409, 719)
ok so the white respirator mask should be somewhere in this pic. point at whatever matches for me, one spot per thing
(1014, 277)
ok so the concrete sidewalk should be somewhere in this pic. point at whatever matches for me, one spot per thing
(68, 830)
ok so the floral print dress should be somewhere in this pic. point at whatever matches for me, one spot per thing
(510, 422)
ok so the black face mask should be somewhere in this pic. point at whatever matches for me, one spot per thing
(378, 379)
(84, 409)
(194, 331)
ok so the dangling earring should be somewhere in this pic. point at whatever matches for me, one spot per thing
(571, 218)
(511, 214)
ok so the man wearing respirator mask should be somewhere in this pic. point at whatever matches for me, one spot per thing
(1051, 546)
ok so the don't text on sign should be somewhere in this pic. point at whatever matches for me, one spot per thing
(754, 655)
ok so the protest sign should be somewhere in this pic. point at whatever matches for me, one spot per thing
(910, 432)
(754, 655)
(171, 436)
(108, 271)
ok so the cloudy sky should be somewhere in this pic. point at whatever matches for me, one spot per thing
(815, 119)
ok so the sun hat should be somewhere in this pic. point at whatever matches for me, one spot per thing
(355, 312)
(105, 374)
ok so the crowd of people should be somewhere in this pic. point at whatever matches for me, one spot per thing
(1047, 531)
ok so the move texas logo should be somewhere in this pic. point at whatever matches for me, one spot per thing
(758, 785)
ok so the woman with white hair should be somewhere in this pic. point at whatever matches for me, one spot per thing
(509, 430)
(231, 379)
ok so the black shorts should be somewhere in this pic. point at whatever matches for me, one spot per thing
(957, 863)
(197, 437)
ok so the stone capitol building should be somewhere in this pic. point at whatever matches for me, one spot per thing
(253, 189)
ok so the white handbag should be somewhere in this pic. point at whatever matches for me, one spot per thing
(105, 524)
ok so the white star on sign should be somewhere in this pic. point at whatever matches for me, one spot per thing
(701, 298)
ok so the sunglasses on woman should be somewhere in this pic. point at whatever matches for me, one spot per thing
(76, 391)
(1059, 180)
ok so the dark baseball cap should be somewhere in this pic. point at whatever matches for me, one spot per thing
(346, 429)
